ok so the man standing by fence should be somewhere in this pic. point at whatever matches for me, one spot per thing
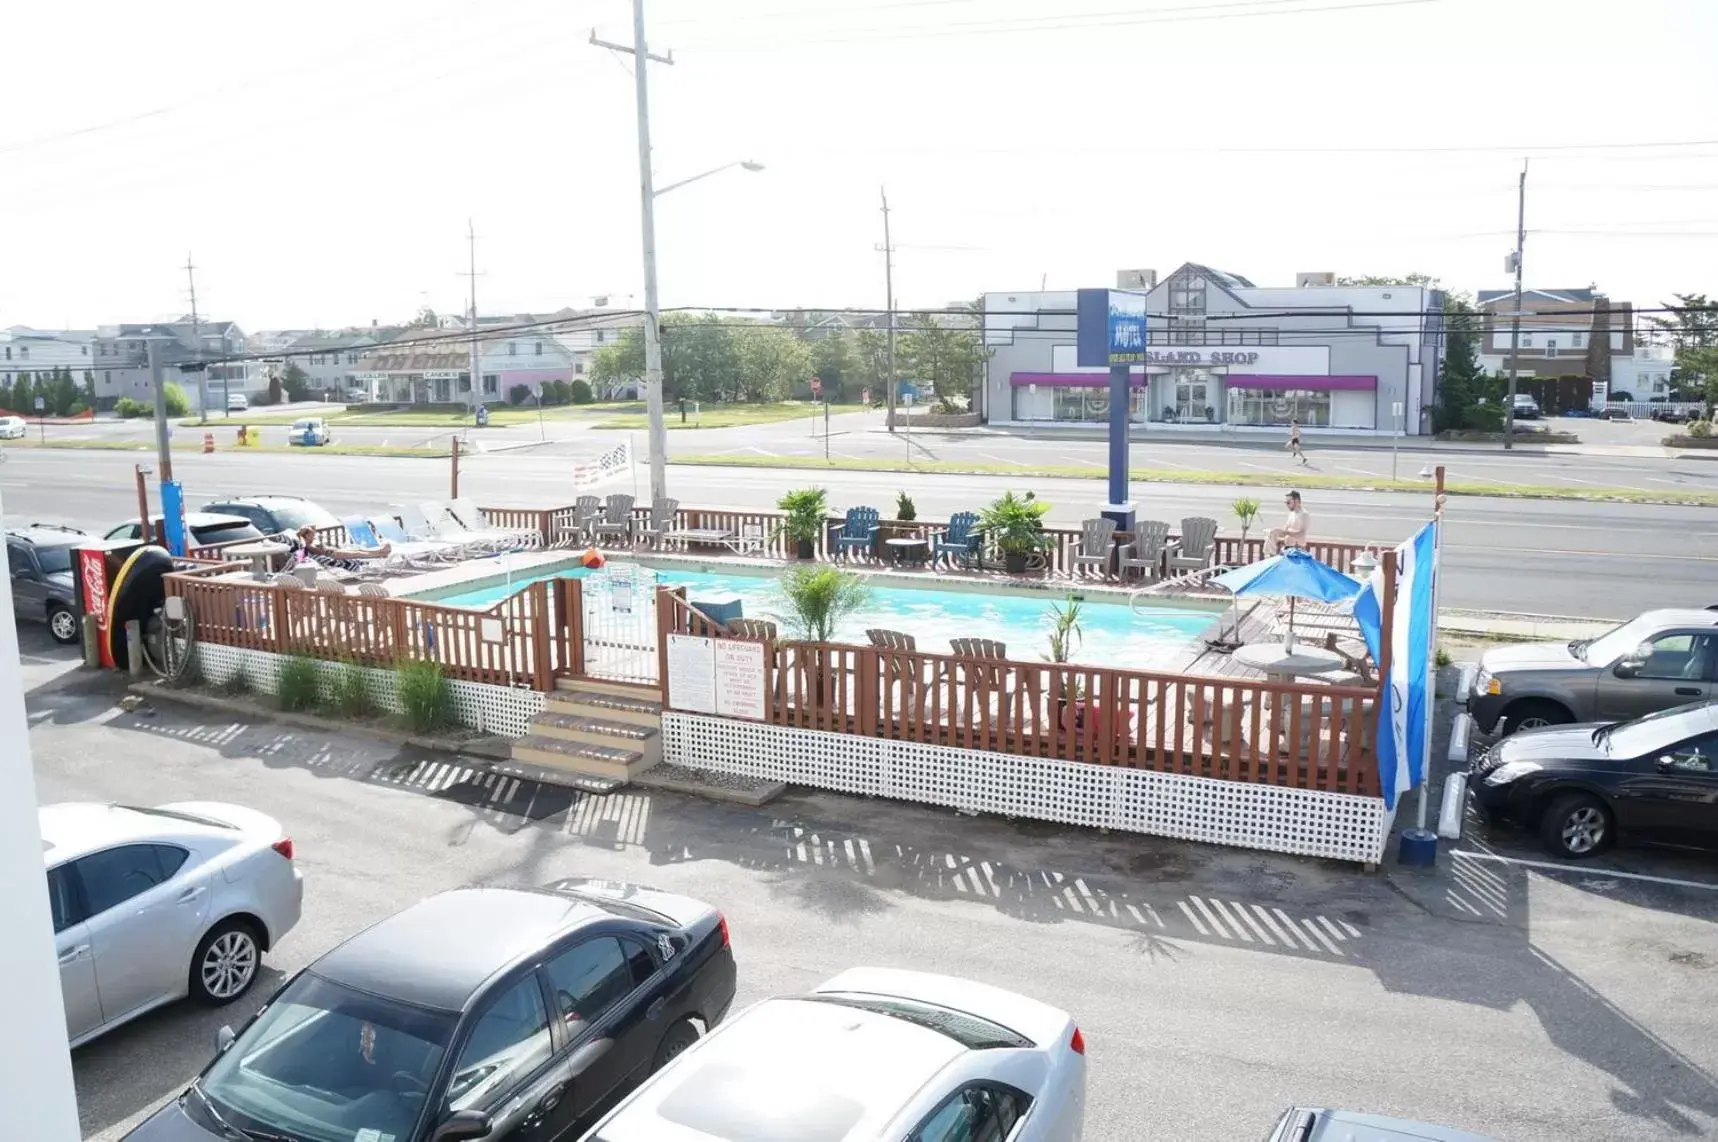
(1293, 531)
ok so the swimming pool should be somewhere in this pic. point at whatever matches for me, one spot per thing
(1154, 638)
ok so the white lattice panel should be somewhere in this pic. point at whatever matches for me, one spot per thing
(490, 709)
(1304, 822)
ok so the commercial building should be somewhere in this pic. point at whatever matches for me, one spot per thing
(1226, 354)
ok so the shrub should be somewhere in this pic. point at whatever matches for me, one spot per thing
(905, 509)
(580, 391)
(807, 514)
(519, 394)
(297, 683)
(178, 404)
(236, 685)
(127, 409)
(1442, 658)
(350, 694)
(1015, 524)
(425, 695)
(1700, 429)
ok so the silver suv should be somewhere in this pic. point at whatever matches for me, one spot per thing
(44, 581)
(1658, 660)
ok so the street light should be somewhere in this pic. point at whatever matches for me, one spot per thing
(652, 306)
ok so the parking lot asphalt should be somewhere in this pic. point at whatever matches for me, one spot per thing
(1215, 986)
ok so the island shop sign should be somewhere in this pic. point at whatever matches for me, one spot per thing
(1200, 357)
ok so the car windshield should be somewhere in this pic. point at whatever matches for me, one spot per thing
(291, 517)
(1614, 643)
(304, 424)
(1654, 733)
(326, 1064)
(54, 560)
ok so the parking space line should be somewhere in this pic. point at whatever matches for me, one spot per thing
(1583, 870)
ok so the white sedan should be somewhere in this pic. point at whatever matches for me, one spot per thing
(872, 1054)
(12, 428)
(152, 905)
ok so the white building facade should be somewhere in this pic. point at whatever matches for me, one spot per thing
(1227, 355)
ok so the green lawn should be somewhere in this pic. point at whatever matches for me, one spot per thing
(498, 417)
(189, 446)
(633, 415)
(1183, 476)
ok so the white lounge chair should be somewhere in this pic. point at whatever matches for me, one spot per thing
(420, 529)
(467, 513)
(447, 525)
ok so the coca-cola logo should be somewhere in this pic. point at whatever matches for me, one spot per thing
(94, 567)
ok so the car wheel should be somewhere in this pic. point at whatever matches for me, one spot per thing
(1577, 826)
(680, 1036)
(63, 624)
(1534, 714)
(225, 963)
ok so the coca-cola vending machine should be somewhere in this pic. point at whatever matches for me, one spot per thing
(99, 562)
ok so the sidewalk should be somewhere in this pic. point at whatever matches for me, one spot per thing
(1271, 441)
(1520, 628)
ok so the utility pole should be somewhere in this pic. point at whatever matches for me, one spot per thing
(197, 340)
(163, 450)
(647, 195)
(1515, 323)
(476, 363)
(889, 290)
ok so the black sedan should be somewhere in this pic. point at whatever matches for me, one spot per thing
(1581, 787)
(492, 1013)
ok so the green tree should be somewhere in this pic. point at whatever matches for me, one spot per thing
(771, 362)
(834, 362)
(62, 392)
(1692, 326)
(173, 396)
(89, 389)
(950, 359)
(871, 355)
(296, 382)
(23, 396)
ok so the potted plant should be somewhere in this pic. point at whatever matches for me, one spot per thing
(807, 511)
(905, 513)
(1065, 636)
(1246, 510)
(818, 598)
(1015, 524)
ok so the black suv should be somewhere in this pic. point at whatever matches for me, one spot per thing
(274, 515)
(44, 578)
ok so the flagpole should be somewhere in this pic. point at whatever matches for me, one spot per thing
(1432, 656)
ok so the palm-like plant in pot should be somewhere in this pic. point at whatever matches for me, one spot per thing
(1065, 637)
(1015, 526)
(818, 598)
(807, 511)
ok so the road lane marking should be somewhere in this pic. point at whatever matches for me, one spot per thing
(1583, 870)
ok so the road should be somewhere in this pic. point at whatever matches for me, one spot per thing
(1214, 986)
(1605, 560)
(1622, 455)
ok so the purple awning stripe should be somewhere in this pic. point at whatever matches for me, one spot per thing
(1072, 380)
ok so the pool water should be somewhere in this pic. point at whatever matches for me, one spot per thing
(1154, 638)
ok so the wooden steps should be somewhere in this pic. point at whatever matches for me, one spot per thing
(594, 731)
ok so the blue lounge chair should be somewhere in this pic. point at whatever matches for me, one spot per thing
(860, 530)
(959, 540)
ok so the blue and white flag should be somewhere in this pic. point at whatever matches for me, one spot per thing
(1402, 731)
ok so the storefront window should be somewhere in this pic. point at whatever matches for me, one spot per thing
(1276, 407)
(1072, 403)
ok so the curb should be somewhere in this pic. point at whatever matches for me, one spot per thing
(752, 799)
(491, 747)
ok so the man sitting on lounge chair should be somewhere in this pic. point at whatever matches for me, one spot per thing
(1293, 531)
(305, 549)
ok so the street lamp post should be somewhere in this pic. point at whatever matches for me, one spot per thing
(652, 306)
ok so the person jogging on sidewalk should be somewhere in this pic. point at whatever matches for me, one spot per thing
(1294, 441)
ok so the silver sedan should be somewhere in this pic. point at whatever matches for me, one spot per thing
(153, 905)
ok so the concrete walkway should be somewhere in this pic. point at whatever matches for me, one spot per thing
(1520, 628)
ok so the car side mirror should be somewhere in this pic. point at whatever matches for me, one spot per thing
(462, 1124)
(223, 1039)
(1628, 668)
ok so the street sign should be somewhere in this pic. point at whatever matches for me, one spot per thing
(41, 404)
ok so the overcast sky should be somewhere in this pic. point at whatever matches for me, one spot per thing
(320, 160)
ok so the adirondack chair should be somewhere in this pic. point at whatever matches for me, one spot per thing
(663, 513)
(1145, 553)
(752, 628)
(1094, 549)
(903, 672)
(575, 531)
(959, 541)
(858, 532)
(1193, 551)
(980, 667)
(616, 518)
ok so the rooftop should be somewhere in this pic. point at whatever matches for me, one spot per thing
(440, 951)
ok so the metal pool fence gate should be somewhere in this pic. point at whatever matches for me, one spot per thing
(620, 623)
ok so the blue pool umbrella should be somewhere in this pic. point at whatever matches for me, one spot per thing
(1292, 575)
